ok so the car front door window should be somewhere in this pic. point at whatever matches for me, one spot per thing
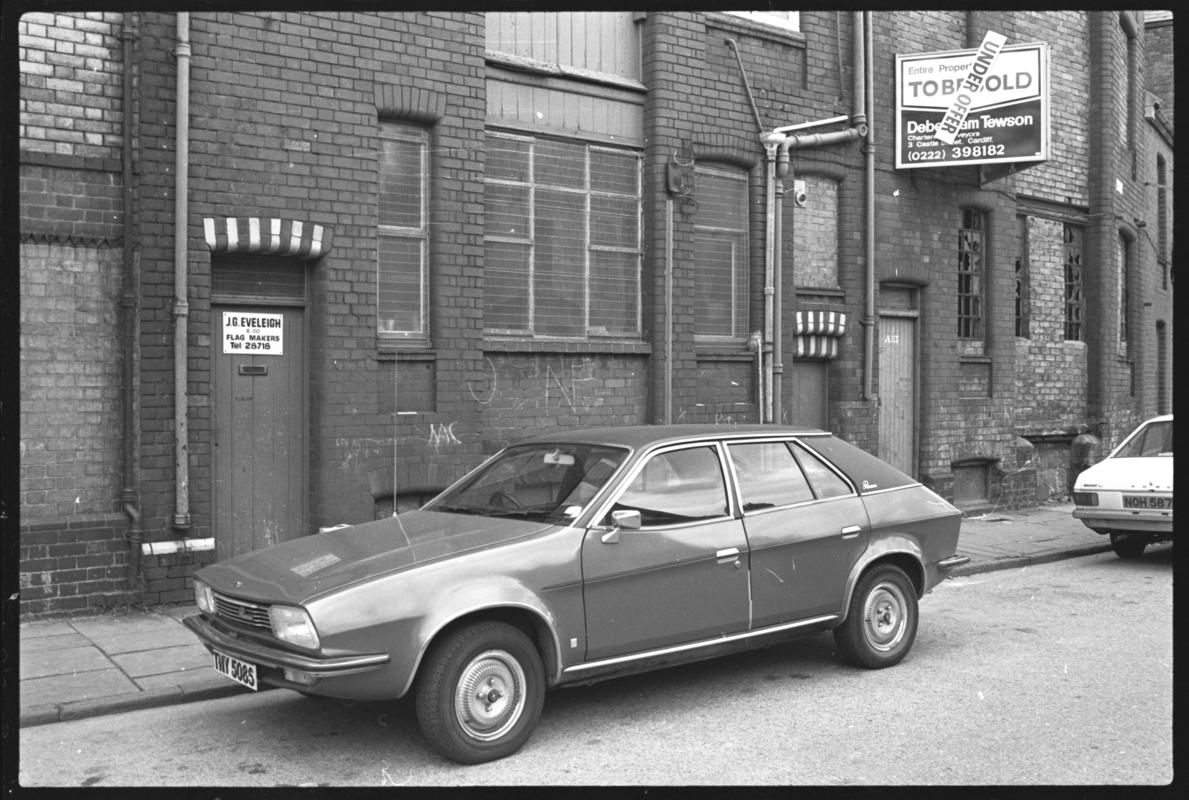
(678, 487)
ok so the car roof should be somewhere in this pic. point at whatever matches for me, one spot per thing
(638, 436)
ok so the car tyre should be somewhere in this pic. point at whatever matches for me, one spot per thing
(1127, 546)
(881, 622)
(480, 693)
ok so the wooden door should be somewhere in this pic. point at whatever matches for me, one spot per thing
(259, 417)
(898, 391)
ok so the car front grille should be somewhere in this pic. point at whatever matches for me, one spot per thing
(242, 611)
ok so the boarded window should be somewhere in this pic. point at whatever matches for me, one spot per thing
(602, 42)
(811, 212)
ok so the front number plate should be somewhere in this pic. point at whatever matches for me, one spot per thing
(239, 671)
(1146, 501)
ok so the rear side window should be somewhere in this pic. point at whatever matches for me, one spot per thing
(768, 475)
(867, 472)
(825, 481)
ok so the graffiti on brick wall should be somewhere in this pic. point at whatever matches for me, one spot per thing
(441, 436)
(533, 383)
(354, 454)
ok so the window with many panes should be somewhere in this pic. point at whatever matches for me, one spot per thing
(1023, 280)
(403, 249)
(971, 255)
(1122, 265)
(1162, 237)
(720, 259)
(1075, 250)
(561, 238)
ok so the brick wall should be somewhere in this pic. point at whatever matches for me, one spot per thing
(74, 564)
(1063, 178)
(73, 551)
(71, 404)
(1050, 376)
(71, 93)
(284, 123)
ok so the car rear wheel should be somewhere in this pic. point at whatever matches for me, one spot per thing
(881, 622)
(1127, 546)
(480, 693)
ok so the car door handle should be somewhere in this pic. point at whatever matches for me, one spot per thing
(730, 552)
(851, 531)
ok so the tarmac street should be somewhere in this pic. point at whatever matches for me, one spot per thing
(82, 666)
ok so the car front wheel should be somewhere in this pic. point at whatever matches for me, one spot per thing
(1127, 546)
(480, 693)
(881, 622)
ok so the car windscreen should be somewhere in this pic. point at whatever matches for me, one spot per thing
(546, 482)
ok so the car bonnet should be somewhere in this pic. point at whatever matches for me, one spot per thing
(303, 568)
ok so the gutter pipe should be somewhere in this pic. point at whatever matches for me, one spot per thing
(868, 99)
(181, 308)
(784, 171)
(667, 411)
(777, 144)
(129, 303)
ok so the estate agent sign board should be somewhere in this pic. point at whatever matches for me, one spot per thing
(989, 105)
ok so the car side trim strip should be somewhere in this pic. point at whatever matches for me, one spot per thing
(664, 651)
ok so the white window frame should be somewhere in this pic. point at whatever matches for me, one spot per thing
(397, 131)
(786, 20)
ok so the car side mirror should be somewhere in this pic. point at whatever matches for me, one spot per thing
(623, 520)
(630, 520)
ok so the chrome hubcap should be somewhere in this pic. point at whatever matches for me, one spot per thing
(884, 617)
(490, 695)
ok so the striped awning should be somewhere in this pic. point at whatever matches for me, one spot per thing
(817, 334)
(267, 236)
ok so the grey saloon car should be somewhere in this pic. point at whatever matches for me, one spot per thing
(580, 556)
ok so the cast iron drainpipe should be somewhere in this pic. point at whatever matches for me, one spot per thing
(181, 309)
(868, 50)
(130, 496)
(857, 130)
(860, 128)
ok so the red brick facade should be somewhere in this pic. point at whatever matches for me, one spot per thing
(284, 122)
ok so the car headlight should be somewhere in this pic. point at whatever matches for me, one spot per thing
(1085, 498)
(293, 625)
(204, 598)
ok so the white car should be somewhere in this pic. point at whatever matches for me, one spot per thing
(1128, 494)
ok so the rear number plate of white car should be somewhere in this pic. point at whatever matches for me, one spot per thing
(1143, 501)
(239, 671)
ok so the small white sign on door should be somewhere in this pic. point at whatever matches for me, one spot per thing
(251, 333)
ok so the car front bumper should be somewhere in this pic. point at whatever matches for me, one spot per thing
(316, 666)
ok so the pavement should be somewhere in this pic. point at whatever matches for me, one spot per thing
(135, 658)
